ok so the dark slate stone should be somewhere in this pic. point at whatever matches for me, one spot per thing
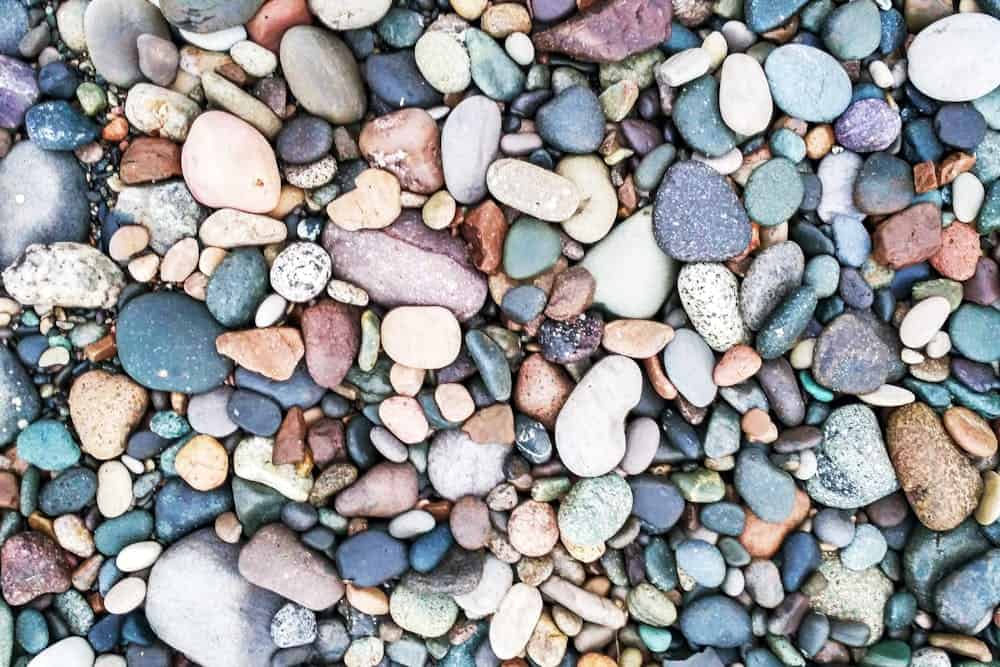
(19, 402)
(395, 79)
(181, 509)
(656, 502)
(371, 558)
(254, 413)
(572, 122)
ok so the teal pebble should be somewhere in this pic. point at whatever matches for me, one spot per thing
(256, 505)
(31, 482)
(656, 640)
(661, 567)
(75, 610)
(169, 425)
(989, 106)
(401, 28)
(237, 286)
(493, 72)
(115, 534)
(813, 388)
(807, 83)
(931, 393)
(986, 404)
(987, 153)
(989, 215)
(71, 491)
(32, 631)
(814, 15)
(653, 166)
(773, 192)
(853, 30)
(48, 445)
(491, 363)
(823, 275)
(531, 247)
(786, 323)
(696, 116)
(900, 610)
(973, 330)
(787, 144)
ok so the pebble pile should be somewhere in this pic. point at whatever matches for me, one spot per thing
(481, 333)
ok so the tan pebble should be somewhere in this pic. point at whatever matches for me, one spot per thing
(180, 261)
(348, 293)
(144, 268)
(662, 385)
(888, 396)
(54, 356)
(289, 199)
(819, 141)
(595, 660)
(970, 432)
(738, 364)
(494, 424)
(470, 523)
(210, 259)
(568, 622)
(196, 286)
(533, 190)
(368, 600)
(532, 528)
(274, 352)
(114, 489)
(426, 337)
(228, 527)
(409, 199)
(374, 203)
(439, 210)
(758, 426)
(406, 380)
(203, 463)
(638, 339)
(541, 389)
(505, 18)
(547, 645)
(104, 409)
(988, 509)
(963, 645)
(125, 596)
(403, 416)
(470, 10)
(229, 228)
(127, 242)
(454, 402)
(802, 354)
(73, 536)
(86, 573)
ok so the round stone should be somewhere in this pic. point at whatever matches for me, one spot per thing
(807, 83)
(972, 68)
(301, 272)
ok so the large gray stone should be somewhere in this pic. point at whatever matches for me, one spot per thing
(19, 403)
(323, 74)
(167, 210)
(198, 603)
(112, 27)
(43, 199)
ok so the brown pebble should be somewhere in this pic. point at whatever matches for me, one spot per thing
(180, 261)
(758, 427)
(484, 230)
(407, 144)
(326, 441)
(762, 539)
(532, 528)
(639, 339)
(662, 385)
(228, 527)
(541, 389)
(953, 166)
(493, 424)
(10, 493)
(925, 177)
(404, 418)
(738, 364)
(115, 130)
(908, 237)
(331, 332)
(970, 432)
(32, 564)
(150, 159)
(273, 352)
(368, 599)
(470, 523)
(273, 18)
(290, 440)
(572, 294)
(384, 491)
(819, 141)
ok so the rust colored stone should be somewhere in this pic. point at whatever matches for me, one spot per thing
(407, 144)
(610, 31)
(150, 159)
(925, 177)
(959, 252)
(484, 230)
(953, 165)
(911, 236)
(572, 293)
(290, 441)
(541, 389)
(762, 539)
(10, 494)
(326, 442)
(273, 18)
(332, 334)
(273, 352)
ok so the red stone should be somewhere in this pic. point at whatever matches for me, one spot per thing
(332, 334)
(959, 252)
(33, 565)
(326, 442)
(610, 30)
(909, 237)
(290, 441)
(273, 18)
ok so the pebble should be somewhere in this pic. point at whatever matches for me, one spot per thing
(968, 75)
(689, 363)
(572, 121)
(532, 190)
(594, 510)
(716, 621)
(515, 620)
(160, 112)
(385, 490)
(421, 336)
(710, 296)
(68, 651)
(371, 558)
(849, 357)
(470, 140)
(807, 83)
(111, 28)
(590, 430)
(317, 63)
(697, 217)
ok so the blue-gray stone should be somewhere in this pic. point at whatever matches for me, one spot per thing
(893, 30)
(966, 596)
(58, 80)
(209, 15)
(572, 121)
(19, 402)
(773, 192)
(973, 331)
(702, 562)
(764, 15)
(929, 556)
(31, 630)
(115, 534)
(656, 502)
(723, 517)
(14, 25)
(395, 79)
(254, 413)
(807, 83)
(48, 444)
(56, 126)
(371, 558)
(166, 341)
(853, 30)
(300, 389)
(696, 116)
(71, 491)
(716, 621)
(181, 509)
(800, 557)
(768, 491)
(237, 287)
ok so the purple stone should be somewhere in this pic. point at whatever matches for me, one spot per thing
(18, 91)
(641, 135)
(867, 126)
(551, 10)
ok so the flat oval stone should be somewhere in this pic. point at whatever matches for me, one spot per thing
(229, 164)
(772, 276)
(744, 97)
(967, 595)
(322, 74)
(697, 216)
(868, 125)
(590, 429)
(688, 361)
(773, 192)
(807, 83)
(768, 491)
(594, 510)
(512, 625)
(715, 620)
(533, 190)
(470, 141)
(972, 330)
(697, 118)
(458, 466)
(421, 336)
(54, 207)
(371, 558)
(166, 341)
(111, 28)
(972, 68)
(710, 295)
(853, 30)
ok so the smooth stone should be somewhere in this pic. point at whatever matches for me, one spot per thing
(111, 28)
(181, 510)
(764, 15)
(572, 121)
(396, 81)
(698, 120)
(458, 466)
(709, 294)
(14, 26)
(427, 267)
(772, 276)
(493, 71)
(941, 484)
(533, 190)
(33, 565)
(807, 83)
(702, 562)
(470, 140)
(773, 192)
(443, 61)
(514, 620)
(229, 164)
(970, 328)
(384, 491)
(852, 596)
(656, 502)
(371, 558)
(849, 357)
(349, 14)
(884, 185)
(252, 461)
(853, 466)
(422, 613)
(838, 173)
(530, 248)
(929, 556)
(237, 286)
(166, 341)
(20, 88)
(230, 627)
(786, 323)
(54, 209)
(421, 336)
(744, 97)
(866, 549)
(300, 389)
(966, 596)
(48, 444)
(307, 578)
(972, 69)
(322, 74)
(67, 274)
(853, 30)
(254, 413)
(868, 125)
(960, 125)
(304, 139)
(639, 287)
(715, 621)
(208, 16)
(768, 491)
(594, 510)
(689, 362)
(160, 112)
(69, 651)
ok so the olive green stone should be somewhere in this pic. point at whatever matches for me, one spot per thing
(648, 604)
(888, 653)
(949, 289)
(547, 489)
(700, 485)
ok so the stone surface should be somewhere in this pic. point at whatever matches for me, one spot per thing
(970, 71)
(609, 32)
(111, 28)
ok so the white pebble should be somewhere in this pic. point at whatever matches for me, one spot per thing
(220, 40)
(717, 48)
(685, 66)
(411, 523)
(519, 48)
(114, 489)
(125, 596)
(881, 74)
(939, 346)
(888, 396)
(738, 36)
(270, 311)
(725, 164)
(923, 321)
(911, 356)
(301, 271)
(967, 196)
(138, 556)
(110, 660)
(254, 58)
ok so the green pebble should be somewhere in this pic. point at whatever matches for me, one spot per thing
(613, 562)
(48, 444)
(661, 568)
(531, 247)
(656, 640)
(31, 482)
(496, 75)
(539, 77)
(989, 106)
(91, 98)
(813, 15)
(949, 289)
(785, 143)
(785, 651)
(169, 425)
(987, 404)
(783, 328)
(10, 523)
(989, 215)
(594, 510)
(332, 520)
(773, 192)
(876, 275)
(401, 28)
(653, 166)
(7, 631)
(371, 340)
(256, 505)
(567, 77)
(987, 154)
(813, 388)
(374, 382)
(639, 67)
(547, 489)
(76, 611)
(648, 604)
(491, 363)
(733, 552)
(696, 116)
(700, 485)
(900, 610)
(887, 653)
(115, 534)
